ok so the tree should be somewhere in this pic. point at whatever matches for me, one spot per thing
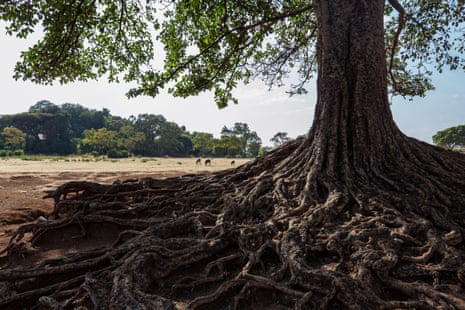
(78, 124)
(187, 148)
(230, 146)
(450, 137)
(250, 141)
(150, 126)
(354, 215)
(280, 138)
(253, 147)
(100, 141)
(170, 140)
(44, 106)
(46, 133)
(202, 143)
(13, 138)
(129, 139)
(115, 123)
(264, 150)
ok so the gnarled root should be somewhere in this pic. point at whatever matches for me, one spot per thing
(278, 232)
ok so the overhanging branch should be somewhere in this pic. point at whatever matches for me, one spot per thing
(401, 22)
(172, 73)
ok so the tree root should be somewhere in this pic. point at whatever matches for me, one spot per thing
(279, 232)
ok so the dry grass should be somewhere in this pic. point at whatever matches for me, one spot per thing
(135, 164)
(23, 182)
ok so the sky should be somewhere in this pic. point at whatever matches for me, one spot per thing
(266, 112)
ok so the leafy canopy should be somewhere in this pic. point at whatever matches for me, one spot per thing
(280, 138)
(13, 138)
(213, 45)
(450, 137)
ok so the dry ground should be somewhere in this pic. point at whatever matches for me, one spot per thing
(23, 183)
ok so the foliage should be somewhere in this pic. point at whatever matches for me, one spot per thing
(114, 153)
(432, 37)
(13, 138)
(230, 146)
(130, 139)
(46, 133)
(185, 142)
(450, 137)
(82, 118)
(150, 126)
(71, 128)
(86, 39)
(171, 140)
(213, 45)
(280, 138)
(44, 106)
(202, 143)
(18, 152)
(99, 141)
(8, 153)
(250, 142)
(238, 141)
(264, 150)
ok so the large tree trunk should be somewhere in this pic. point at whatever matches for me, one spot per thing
(353, 119)
(353, 216)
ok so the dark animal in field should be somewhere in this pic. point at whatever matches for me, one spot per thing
(208, 162)
(233, 163)
(198, 162)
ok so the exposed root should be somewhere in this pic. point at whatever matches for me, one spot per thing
(278, 233)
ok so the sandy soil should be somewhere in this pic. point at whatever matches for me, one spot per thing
(79, 164)
(23, 183)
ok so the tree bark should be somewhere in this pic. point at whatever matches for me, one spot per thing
(353, 120)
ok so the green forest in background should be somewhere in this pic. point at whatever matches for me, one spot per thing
(50, 129)
(70, 128)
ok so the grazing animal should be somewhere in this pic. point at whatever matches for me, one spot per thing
(208, 162)
(233, 163)
(198, 162)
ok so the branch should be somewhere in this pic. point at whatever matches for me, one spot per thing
(401, 22)
(246, 27)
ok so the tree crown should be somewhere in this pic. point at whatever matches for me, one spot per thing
(450, 137)
(213, 45)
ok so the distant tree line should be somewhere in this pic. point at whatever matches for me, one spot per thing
(51, 129)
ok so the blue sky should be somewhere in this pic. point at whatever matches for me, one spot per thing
(441, 108)
(266, 112)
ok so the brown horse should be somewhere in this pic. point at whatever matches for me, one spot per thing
(198, 162)
(208, 162)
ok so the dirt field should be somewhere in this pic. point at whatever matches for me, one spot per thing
(23, 183)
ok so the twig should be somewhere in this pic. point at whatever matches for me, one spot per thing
(401, 22)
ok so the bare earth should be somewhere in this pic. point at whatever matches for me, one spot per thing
(24, 183)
